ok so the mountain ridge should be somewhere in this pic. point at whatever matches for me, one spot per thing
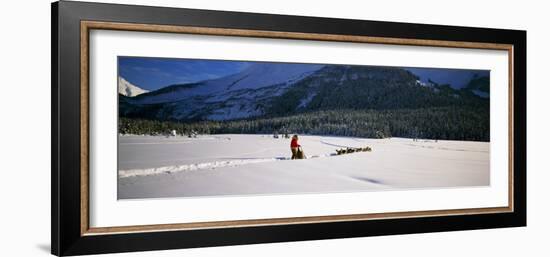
(270, 90)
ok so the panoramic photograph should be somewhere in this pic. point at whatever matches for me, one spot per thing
(206, 128)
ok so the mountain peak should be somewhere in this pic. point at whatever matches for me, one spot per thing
(258, 75)
(263, 74)
(128, 89)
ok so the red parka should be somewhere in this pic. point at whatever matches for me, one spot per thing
(294, 143)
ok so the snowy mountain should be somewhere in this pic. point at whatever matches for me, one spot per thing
(457, 79)
(477, 81)
(256, 76)
(128, 89)
(231, 97)
(279, 89)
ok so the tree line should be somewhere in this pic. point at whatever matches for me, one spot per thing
(444, 123)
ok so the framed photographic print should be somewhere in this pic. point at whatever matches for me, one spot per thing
(178, 128)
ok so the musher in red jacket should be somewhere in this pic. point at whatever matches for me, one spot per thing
(294, 146)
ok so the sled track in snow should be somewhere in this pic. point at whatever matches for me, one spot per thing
(190, 167)
(202, 166)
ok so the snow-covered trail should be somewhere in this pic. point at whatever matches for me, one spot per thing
(234, 160)
(205, 166)
(144, 152)
(190, 167)
(152, 167)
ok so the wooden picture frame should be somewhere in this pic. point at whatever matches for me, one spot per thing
(71, 25)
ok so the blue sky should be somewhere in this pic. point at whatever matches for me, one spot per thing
(154, 73)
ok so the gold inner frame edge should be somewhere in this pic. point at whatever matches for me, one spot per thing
(86, 26)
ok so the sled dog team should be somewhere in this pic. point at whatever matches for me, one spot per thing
(298, 153)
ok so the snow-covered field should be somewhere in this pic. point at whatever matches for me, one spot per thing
(216, 165)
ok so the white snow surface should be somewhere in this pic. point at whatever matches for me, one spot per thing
(128, 89)
(224, 165)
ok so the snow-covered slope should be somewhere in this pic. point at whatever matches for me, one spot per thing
(128, 89)
(256, 76)
(235, 96)
(261, 75)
